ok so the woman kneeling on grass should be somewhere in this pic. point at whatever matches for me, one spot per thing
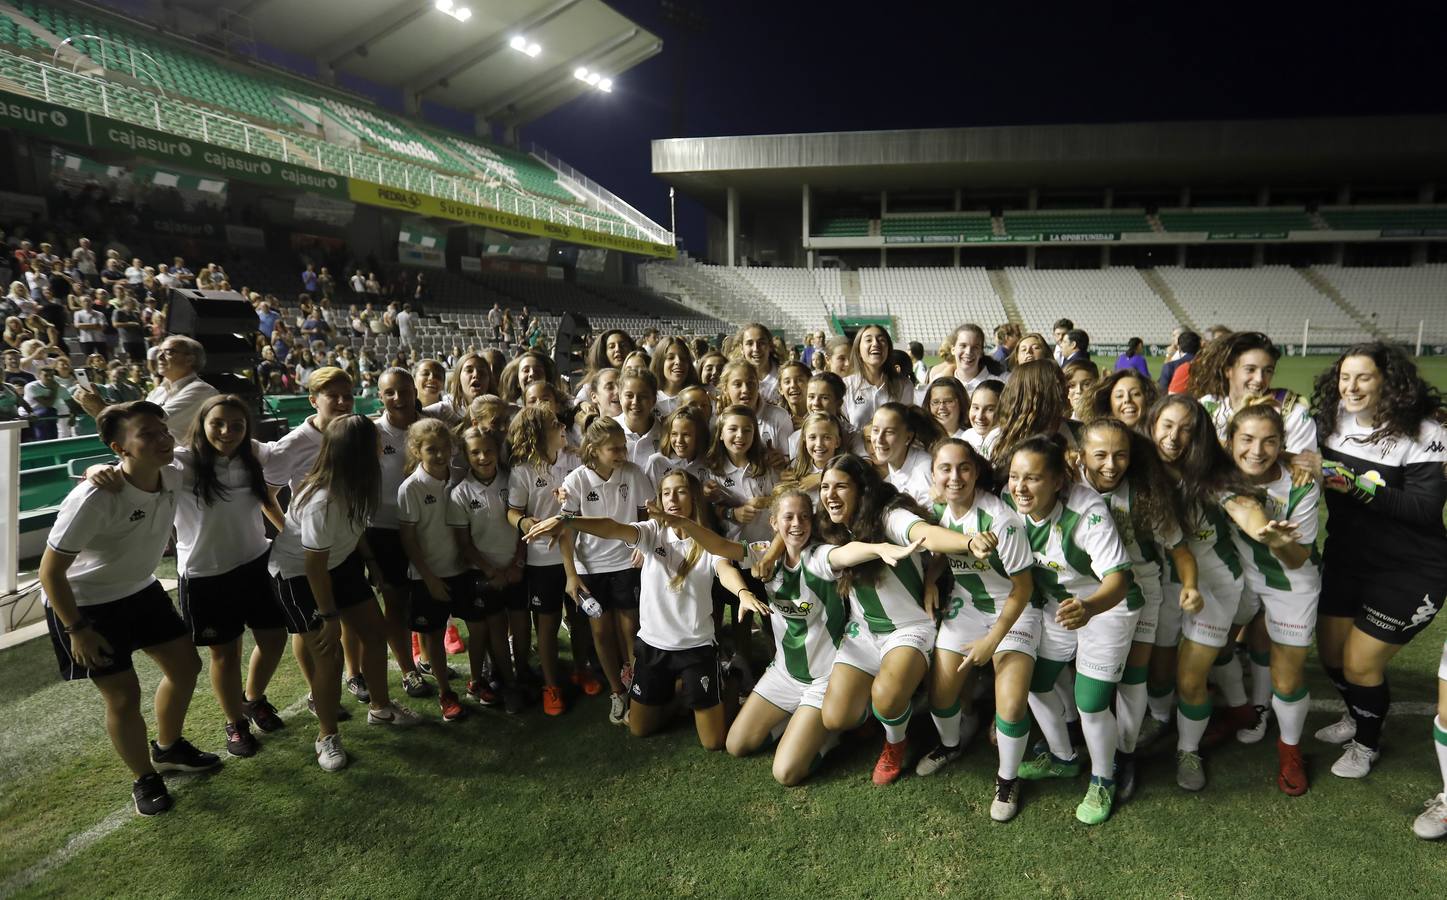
(675, 613)
(885, 650)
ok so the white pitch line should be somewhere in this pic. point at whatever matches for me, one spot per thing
(107, 826)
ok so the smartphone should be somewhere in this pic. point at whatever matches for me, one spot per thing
(82, 378)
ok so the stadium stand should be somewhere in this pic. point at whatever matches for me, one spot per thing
(1396, 299)
(1276, 300)
(1236, 221)
(794, 291)
(923, 226)
(1121, 304)
(927, 303)
(850, 227)
(1400, 218)
(1021, 222)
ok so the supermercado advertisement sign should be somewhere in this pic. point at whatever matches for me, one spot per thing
(71, 126)
(411, 201)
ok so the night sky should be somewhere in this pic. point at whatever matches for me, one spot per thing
(788, 66)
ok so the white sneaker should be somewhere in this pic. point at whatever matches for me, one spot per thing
(1256, 732)
(1355, 762)
(1007, 799)
(1432, 823)
(617, 706)
(330, 755)
(937, 759)
(1340, 731)
(398, 716)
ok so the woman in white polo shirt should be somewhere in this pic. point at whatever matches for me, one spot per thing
(103, 601)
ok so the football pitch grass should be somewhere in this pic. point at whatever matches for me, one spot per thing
(532, 806)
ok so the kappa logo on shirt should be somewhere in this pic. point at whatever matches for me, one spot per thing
(1436, 447)
(541, 482)
(138, 515)
(389, 450)
(474, 503)
(592, 496)
(429, 499)
(729, 482)
(659, 551)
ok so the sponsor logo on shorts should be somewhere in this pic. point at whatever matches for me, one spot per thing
(636, 690)
(1425, 612)
(536, 600)
(208, 633)
(703, 682)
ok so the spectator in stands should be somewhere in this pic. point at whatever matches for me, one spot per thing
(57, 317)
(358, 282)
(1007, 336)
(13, 304)
(326, 284)
(184, 276)
(836, 355)
(15, 332)
(11, 402)
(315, 325)
(1076, 347)
(266, 319)
(373, 285)
(123, 386)
(1188, 344)
(646, 344)
(1134, 358)
(113, 274)
(494, 321)
(135, 272)
(85, 263)
(23, 255)
(43, 397)
(180, 392)
(166, 278)
(91, 322)
(127, 319)
(1062, 328)
(406, 325)
(309, 281)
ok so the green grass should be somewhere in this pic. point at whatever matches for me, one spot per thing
(538, 807)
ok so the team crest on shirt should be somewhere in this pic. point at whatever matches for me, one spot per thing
(623, 492)
(138, 515)
(659, 551)
(1009, 531)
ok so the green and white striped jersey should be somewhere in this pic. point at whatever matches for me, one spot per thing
(896, 598)
(1300, 426)
(985, 583)
(1075, 547)
(809, 615)
(1297, 505)
(1209, 540)
(1147, 551)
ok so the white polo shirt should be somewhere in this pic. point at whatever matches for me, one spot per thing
(394, 460)
(216, 538)
(640, 445)
(670, 619)
(117, 538)
(483, 510)
(659, 466)
(424, 501)
(533, 492)
(182, 401)
(315, 524)
(619, 497)
(739, 486)
(914, 476)
(293, 456)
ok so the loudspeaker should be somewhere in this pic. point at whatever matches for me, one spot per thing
(568, 347)
(221, 320)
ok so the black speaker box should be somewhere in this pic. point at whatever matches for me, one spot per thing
(222, 321)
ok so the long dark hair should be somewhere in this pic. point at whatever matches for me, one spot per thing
(1154, 503)
(1205, 470)
(209, 488)
(924, 430)
(1208, 370)
(347, 468)
(1034, 401)
(877, 498)
(1096, 403)
(1406, 399)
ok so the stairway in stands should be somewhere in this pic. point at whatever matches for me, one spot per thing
(1327, 289)
(1168, 297)
(1006, 292)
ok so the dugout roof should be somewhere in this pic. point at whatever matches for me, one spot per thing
(412, 45)
(1362, 150)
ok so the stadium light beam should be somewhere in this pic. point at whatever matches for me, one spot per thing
(606, 85)
(460, 13)
(593, 79)
(521, 44)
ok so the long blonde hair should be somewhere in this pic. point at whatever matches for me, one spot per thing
(422, 430)
(527, 436)
(696, 513)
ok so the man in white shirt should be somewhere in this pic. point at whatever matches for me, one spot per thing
(358, 282)
(181, 390)
(91, 323)
(135, 272)
(165, 278)
(84, 258)
(406, 320)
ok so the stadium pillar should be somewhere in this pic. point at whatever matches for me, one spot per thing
(1186, 196)
(732, 224)
(957, 257)
(804, 197)
(1258, 256)
(481, 127)
(1032, 201)
(10, 511)
(1109, 198)
(1263, 195)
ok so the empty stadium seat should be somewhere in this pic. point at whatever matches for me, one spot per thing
(1112, 305)
(1396, 299)
(1276, 300)
(1236, 221)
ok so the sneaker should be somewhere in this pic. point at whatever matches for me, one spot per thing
(891, 762)
(553, 701)
(587, 682)
(1190, 774)
(483, 693)
(330, 755)
(514, 701)
(452, 641)
(1291, 769)
(626, 675)
(1152, 730)
(1355, 762)
(357, 687)
(151, 797)
(1099, 798)
(182, 757)
(426, 669)
(937, 759)
(1253, 733)
(343, 714)
(1125, 776)
(451, 707)
(1429, 826)
(394, 714)
(1048, 765)
(239, 739)
(414, 686)
(1227, 721)
(263, 715)
(1340, 731)
(617, 706)
(1007, 799)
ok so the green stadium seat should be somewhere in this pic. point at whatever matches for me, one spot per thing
(1237, 221)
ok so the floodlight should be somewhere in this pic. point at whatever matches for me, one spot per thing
(606, 85)
(581, 73)
(519, 43)
(444, 5)
(534, 49)
(464, 14)
(593, 78)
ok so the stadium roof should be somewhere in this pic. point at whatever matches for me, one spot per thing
(1364, 150)
(467, 65)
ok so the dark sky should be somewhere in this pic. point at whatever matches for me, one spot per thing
(788, 66)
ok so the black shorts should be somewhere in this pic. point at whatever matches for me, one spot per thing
(615, 590)
(349, 588)
(545, 586)
(218, 608)
(428, 615)
(388, 556)
(1390, 606)
(496, 601)
(655, 671)
(144, 619)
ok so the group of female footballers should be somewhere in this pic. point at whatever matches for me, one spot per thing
(1062, 547)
